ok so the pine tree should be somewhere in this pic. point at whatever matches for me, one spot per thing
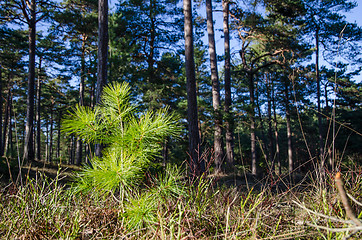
(132, 139)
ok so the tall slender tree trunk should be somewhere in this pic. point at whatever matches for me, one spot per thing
(102, 47)
(328, 139)
(265, 150)
(150, 58)
(58, 138)
(270, 130)
(196, 164)
(229, 120)
(102, 56)
(47, 143)
(29, 127)
(289, 131)
(277, 148)
(320, 137)
(254, 164)
(79, 145)
(218, 140)
(51, 132)
(38, 107)
(7, 120)
(9, 138)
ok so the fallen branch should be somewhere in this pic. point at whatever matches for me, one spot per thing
(349, 211)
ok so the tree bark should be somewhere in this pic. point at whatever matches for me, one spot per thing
(321, 157)
(58, 138)
(102, 47)
(196, 164)
(29, 131)
(277, 149)
(270, 130)
(51, 132)
(263, 147)
(47, 143)
(102, 56)
(218, 140)
(254, 163)
(7, 119)
(289, 131)
(38, 125)
(79, 145)
(150, 56)
(229, 120)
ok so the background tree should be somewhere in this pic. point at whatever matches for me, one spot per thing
(216, 103)
(197, 166)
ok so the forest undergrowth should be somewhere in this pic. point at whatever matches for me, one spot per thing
(125, 195)
(207, 208)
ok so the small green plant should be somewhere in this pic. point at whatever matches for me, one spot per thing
(132, 140)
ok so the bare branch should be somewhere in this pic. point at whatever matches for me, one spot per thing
(322, 215)
(354, 200)
(359, 228)
(349, 211)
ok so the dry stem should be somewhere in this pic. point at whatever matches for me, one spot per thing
(344, 199)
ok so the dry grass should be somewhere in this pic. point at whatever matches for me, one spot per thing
(42, 209)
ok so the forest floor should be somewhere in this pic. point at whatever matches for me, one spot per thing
(229, 206)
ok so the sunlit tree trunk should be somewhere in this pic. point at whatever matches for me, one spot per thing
(37, 118)
(321, 150)
(289, 130)
(197, 166)
(229, 120)
(47, 143)
(252, 126)
(7, 123)
(51, 132)
(79, 145)
(218, 140)
(59, 134)
(29, 129)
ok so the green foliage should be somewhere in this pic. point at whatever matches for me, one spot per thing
(132, 139)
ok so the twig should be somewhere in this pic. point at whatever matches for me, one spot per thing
(354, 200)
(349, 211)
(358, 228)
(322, 215)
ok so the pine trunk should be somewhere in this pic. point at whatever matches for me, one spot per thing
(7, 119)
(102, 56)
(51, 134)
(289, 131)
(79, 145)
(58, 138)
(265, 150)
(29, 127)
(218, 140)
(321, 150)
(197, 166)
(38, 107)
(277, 148)
(102, 47)
(229, 124)
(270, 130)
(254, 164)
